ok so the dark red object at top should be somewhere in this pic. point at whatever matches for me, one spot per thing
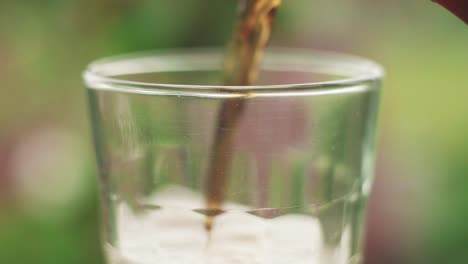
(458, 7)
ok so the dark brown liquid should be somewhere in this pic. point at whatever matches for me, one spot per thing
(250, 37)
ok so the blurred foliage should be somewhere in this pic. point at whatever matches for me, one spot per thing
(45, 45)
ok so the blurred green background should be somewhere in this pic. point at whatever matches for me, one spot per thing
(48, 192)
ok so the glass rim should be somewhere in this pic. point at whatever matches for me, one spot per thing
(96, 78)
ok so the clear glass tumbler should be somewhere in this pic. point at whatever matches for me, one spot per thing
(192, 171)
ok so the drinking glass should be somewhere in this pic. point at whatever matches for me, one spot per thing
(289, 177)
